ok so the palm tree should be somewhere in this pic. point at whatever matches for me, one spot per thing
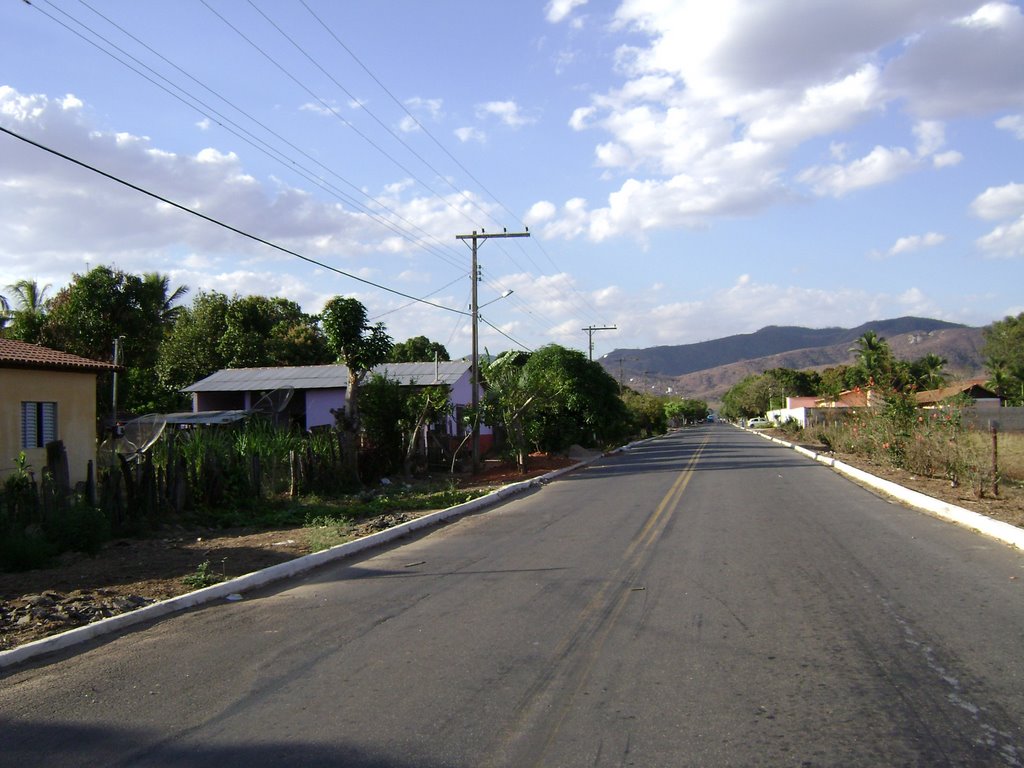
(927, 371)
(872, 354)
(156, 288)
(29, 312)
(5, 310)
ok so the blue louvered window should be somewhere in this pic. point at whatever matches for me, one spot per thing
(38, 424)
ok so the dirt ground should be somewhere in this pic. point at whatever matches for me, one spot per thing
(130, 573)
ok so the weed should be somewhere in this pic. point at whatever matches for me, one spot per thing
(204, 576)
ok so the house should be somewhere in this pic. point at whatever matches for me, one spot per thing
(47, 395)
(305, 395)
(981, 397)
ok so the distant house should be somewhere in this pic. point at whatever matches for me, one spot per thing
(981, 397)
(47, 395)
(815, 411)
(319, 389)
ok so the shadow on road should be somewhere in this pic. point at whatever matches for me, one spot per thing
(31, 743)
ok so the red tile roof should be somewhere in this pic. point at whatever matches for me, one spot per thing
(18, 354)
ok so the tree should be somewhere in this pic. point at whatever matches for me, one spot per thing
(418, 349)
(510, 398)
(1004, 357)
(878, 366)
(262, 332)
(96, 308)
(839, 378)
(927, 372)
(686, 410)
(583, 405)
(191, 350)
(646, 412)
(28, 313)
(394, 416)
(359, 346)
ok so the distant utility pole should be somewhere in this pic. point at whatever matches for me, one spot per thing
(590, 334)
(474, 276)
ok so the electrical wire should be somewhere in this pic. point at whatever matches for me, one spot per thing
(255, 141)
(585, 302)
(224, 225)
(496, 328)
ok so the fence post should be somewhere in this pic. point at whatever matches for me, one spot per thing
(993, 427)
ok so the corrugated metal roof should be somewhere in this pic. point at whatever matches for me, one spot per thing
(18, 354)
(324, 376)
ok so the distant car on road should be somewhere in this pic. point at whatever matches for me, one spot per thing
(758, 422)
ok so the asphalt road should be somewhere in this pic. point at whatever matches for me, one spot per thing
(707, 599)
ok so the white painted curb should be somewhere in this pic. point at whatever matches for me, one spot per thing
(996, 529)
(273, 573)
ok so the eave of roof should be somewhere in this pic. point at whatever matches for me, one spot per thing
(325, 376)
(18, 354)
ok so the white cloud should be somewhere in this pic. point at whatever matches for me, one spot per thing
(947, 159)
(1006, 241)
(469, 133)
(990, 15)
(327, 109)
(430, 109)
(56, 218)
(913, 243)
(508, 112)
(1006, 202)
(999, 202)
(721, 97)
(822, 109)
(881, 165)
(1012, 123)
(558, 10)
(539, 212)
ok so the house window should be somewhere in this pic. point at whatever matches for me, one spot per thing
(38, 424)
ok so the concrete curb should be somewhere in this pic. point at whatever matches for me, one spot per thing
(278, 572)
(995, 529)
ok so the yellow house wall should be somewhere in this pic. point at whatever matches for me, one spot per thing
(75, 395)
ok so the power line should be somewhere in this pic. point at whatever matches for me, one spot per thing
(222, 224)
(367, 110)
(496, 328)
(437, 248)
(266, 148)
(331, 109)
(585, 303)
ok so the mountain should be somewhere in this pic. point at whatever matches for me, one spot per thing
(706, 370)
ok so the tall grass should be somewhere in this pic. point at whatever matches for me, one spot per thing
(926, 442)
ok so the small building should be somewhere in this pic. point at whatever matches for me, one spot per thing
(981, 397)
(317, 390)
(47, 395)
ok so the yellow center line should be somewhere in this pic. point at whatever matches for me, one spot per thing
(594, 624)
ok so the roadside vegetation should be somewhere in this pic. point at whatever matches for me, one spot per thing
(894, 432)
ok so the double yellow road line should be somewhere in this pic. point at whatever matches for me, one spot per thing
(540, 715)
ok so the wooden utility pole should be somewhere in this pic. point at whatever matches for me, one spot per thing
(590, 334)
(474, 275)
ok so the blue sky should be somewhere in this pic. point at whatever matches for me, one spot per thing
(687, 170)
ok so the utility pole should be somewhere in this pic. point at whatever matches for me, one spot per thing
(474, 275)
(590, 334)
(117, 361)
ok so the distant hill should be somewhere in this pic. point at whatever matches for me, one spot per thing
(707, 370)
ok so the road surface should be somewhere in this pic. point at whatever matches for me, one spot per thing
(706, 599)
